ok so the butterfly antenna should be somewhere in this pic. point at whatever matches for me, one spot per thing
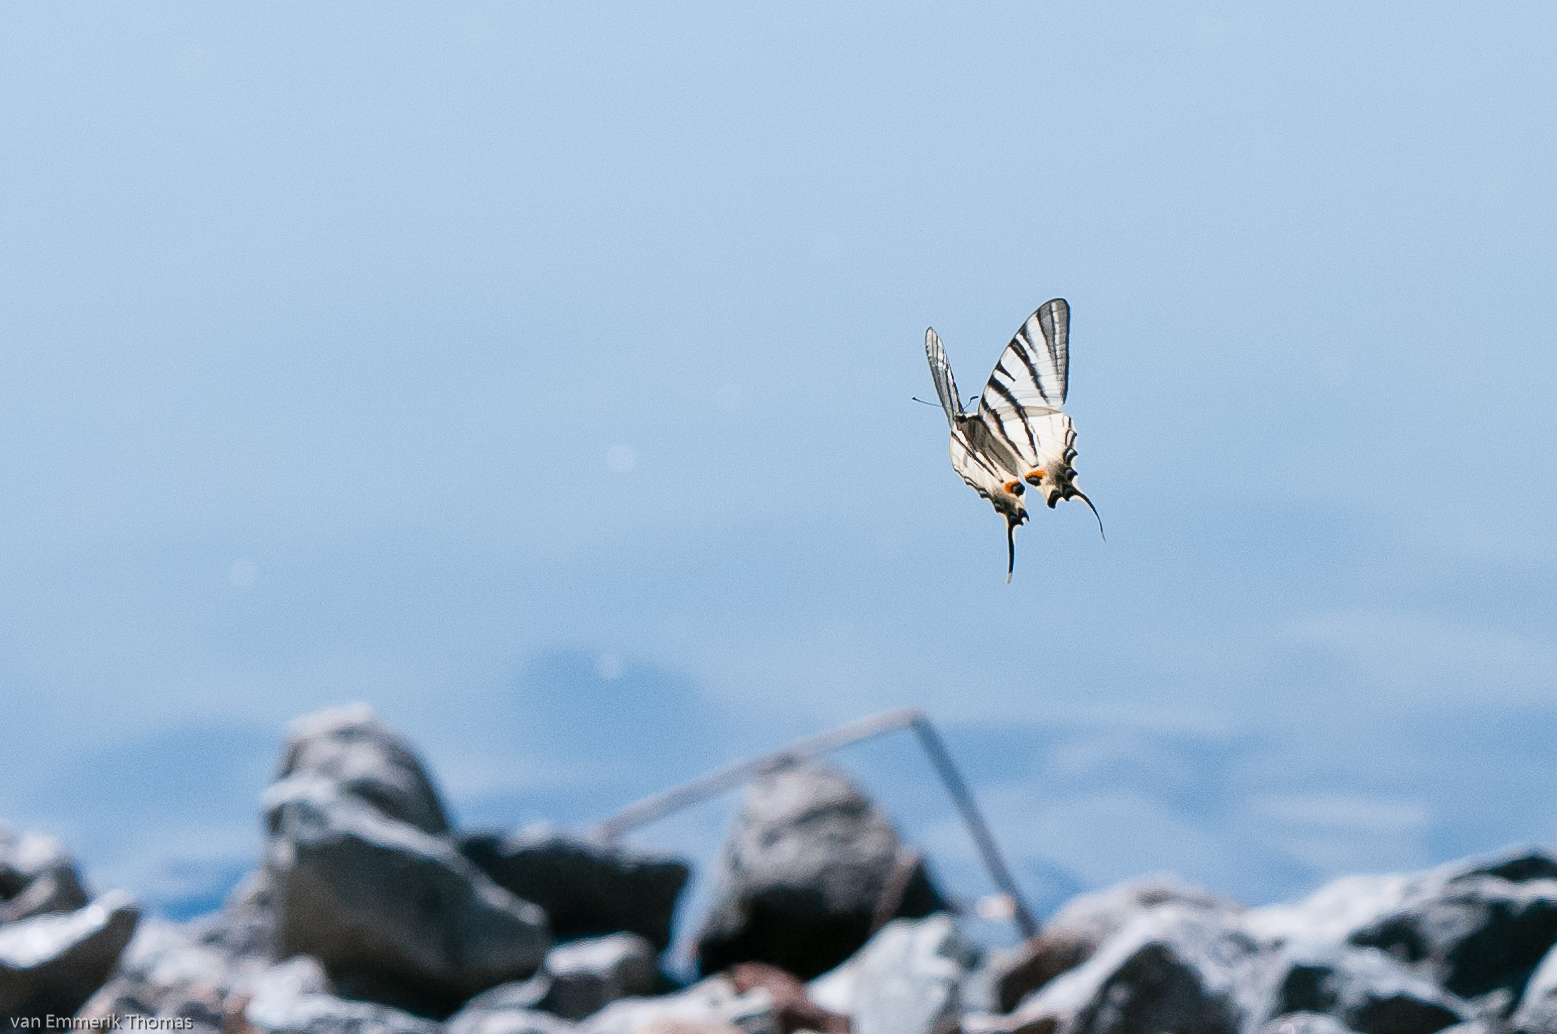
(922, 402)
(1082, 496)
(1010, 548)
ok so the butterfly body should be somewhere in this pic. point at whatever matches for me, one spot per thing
(1017, 437)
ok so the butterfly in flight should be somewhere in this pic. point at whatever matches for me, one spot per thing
(1018, 436)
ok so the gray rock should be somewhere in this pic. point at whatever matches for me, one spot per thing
(297, 976)
(1172, 970)
(907, 976)
(284, 1013)
(51, 964)
(169, 955)
(168, 971)
(165, 971)
(1479, 927)
(588, 975)
(1304, 1023)
(1367, 990)
(1537, 1011)
(810, 869)
(37, 877)
(586, 889)
(509, 1009)
(245, 926)
(711, 1001)
(368, 760)
(1075, 933)
(395, 914)
(509, 1021)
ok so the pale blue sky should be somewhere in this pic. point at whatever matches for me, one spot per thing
(458, 357)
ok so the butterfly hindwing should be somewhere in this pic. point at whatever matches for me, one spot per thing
(977, 468)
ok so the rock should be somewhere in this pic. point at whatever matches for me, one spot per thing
(165, 971)
(367, 760)
(245, 926)
(395, 914)
(509, 1009)
(1479, 926)
(297, 976)
(810, 869)
(833, 990)
(280, 1012)
(1304, 1023)
(1367, 990)
(51, 964)
(168, 971)
(906, 978)
(1537, 1010)
(37, 877)
(586, 889)
(587, 975)
(714, 1001)
(1173, 969)
(792, 1007)
(1078, 929)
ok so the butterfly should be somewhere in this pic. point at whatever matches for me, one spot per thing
(1018, 436)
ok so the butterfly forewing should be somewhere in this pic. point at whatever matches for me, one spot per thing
(1054, 322)
(940, 370)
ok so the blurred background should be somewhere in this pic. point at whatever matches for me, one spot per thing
(541, 374)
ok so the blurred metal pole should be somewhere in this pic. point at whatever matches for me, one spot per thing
(962, 797)
(660, 805)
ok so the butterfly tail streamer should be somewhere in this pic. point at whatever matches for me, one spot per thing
(1082, 496)
(1010, 548)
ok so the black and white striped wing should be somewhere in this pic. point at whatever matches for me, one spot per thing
(978, 468)
(1035, 367)
(940, 370)
(1021, 403)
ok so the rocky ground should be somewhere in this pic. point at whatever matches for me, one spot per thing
(369, 914)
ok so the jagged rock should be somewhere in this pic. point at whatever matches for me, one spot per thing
(1077, 930)
(712, 1001)
(1304, 1023)
(907, 976)
(587, 975)
(586, 889)
(809, 870)
(1478, 926)
(51, 964)
(793, 1008)
(37, 877)
(1537, 1011)
(274, 1012)
(165, 971)
(168, 972)
(245, 926)
(1173, 969)
(1368, 991)
(395, 914)
(367, 760)
(509, 1009)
